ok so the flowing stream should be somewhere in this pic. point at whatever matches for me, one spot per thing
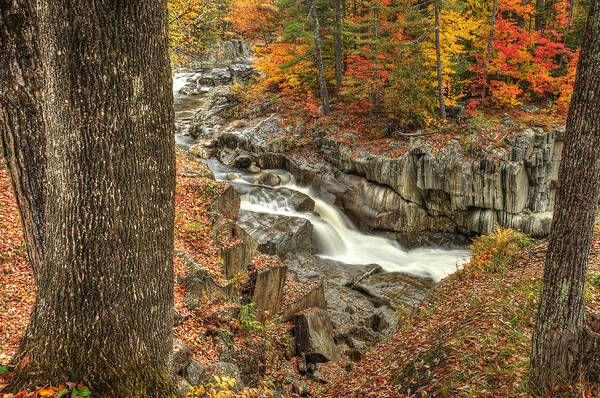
(334, 235)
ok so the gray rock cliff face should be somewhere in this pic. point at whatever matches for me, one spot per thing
(424, 189)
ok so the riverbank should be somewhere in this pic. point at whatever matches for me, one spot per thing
(472, 338)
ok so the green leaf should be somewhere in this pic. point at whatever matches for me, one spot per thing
(84, 391)
(62, 392)
(3, 370)
(75, 392)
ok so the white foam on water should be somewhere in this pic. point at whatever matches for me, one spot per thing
(337, 238)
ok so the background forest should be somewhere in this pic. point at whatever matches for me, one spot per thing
(381, 58)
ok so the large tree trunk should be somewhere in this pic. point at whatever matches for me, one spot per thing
(438, 55)
(560, 325)
(21, 119)
(338, 46)
(103, 312)
(319, 61)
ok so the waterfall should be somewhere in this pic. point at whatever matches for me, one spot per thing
(337, 238)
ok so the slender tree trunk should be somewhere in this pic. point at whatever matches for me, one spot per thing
(338, 46)
(569, 20)
(21, 119)
(438, 54)
(376, 44)
(103, 312)
(319, 60)
(567, 28)
(521, 18)
(560, 331)
(539, 15)
(488, 54)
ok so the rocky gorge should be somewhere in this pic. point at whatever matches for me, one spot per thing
(307, 197)
(415, 188)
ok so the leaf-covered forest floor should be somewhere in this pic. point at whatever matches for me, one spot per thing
(472, 339)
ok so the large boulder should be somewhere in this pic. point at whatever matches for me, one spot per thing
(200, 286)
(227, 203)
(277, 234)
(250, 358)
(269, 179)
(179, 357)
(314, 336)
(202, 150)
(237, 257)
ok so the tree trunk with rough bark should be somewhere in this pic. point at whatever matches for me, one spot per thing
(103, 313)
(560, 335)
(338, 46)
(21, 119)
(319, 61)
(438, 54)
(488, 55)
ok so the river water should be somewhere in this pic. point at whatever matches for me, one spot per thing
(334, 235)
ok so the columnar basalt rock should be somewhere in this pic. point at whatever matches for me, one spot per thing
(425, 189)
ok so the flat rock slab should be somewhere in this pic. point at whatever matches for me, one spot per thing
(396, 287)
(277, 234)
(314, 335)
(308, 266)
(315, 297)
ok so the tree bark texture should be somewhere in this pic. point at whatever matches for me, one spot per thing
(338, 46)
(319, 61)
(103, 312)
(438, 54)
(560, 333)
(21, 119)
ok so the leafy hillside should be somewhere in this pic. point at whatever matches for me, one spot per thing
(472, 339)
